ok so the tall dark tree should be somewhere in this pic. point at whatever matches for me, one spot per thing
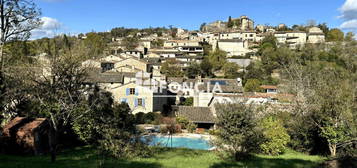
(324, 28)
(202, 27)
(230, 23)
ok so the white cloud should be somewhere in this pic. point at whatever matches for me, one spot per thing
(349, 14)
(351, 24)
(49, 28)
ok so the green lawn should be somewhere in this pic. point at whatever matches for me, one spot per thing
(85, 157)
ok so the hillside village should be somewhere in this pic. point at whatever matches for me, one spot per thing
(235, 87)
(119, 71)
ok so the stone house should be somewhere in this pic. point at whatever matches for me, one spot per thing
(234, 47)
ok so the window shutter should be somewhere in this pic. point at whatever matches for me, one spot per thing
(127, 91)
(143, 102)
(136, 91)
(135, 102)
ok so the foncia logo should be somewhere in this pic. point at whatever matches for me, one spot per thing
(143, 79)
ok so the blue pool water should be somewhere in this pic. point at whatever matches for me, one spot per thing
(179, 142)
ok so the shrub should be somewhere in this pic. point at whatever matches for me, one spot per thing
(183, 122)
(172, 128)
(157, 119)
(237, 129)
(275, 136)
(191, 127)
(171, 125)
(213, 132)
(188, 102)
(163, 129)
(140, 118)
(252, 85)
(150, 118)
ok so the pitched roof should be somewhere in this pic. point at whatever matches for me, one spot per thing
(23, 126)
(269, 87)
(195, 114)
(96, 76)
(227, 85)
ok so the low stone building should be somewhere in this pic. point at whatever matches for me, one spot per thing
(203, 117)
(25, 135)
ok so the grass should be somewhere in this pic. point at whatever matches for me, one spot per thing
(85, 157)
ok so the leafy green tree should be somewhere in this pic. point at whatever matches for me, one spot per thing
(275, 136)
(95, 43)
(335, 35)
(206, 67)
(349, 36)
(324, 98)
(252, 85)
(255, 71)
(157, 43)
(88, 126)
(130, 43)
(269, 41)
(171, 69)
(230, 70)
(119, 138)
(276, 59)
(193, 70)
(207, 48)
(217, 59)
(237, 129)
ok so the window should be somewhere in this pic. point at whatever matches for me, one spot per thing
(107, 66)
(140, 102)
(132, 91)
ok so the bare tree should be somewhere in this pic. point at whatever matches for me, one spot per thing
(60, 91)
(17, 19)
(324, 97)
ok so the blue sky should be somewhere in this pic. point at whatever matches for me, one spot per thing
(75, 16)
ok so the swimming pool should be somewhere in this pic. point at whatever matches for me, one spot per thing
(178, 142)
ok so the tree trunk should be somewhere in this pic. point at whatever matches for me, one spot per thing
(2, 79)
(237, 156)
(2, 57)
(53, 143)
(332, 148)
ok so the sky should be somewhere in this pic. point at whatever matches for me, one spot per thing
(81, 16)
